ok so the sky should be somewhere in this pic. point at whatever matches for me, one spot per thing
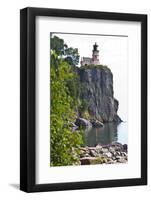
(113, 52)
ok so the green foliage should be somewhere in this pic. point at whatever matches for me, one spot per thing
(86, 115)
(58, 45)
(83, 106)
(74, 89)
(64, 143)
(70, 55)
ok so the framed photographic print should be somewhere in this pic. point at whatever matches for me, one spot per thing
(83, 96)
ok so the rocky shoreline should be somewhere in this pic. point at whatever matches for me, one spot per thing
(104, 154)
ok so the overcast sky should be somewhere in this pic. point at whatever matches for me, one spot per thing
(113, 53)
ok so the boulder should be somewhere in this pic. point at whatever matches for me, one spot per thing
(104, 150)
(98, 146)
(82, 122)
(108, 154)
(121, 160)
(92, 160)
(117, 146)
(112, 150)
(93, 153)
(87, 160)
(96, 123)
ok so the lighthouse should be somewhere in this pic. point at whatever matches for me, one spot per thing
(95, 55)
(85, 61)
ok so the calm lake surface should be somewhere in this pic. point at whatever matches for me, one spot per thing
(110, 132)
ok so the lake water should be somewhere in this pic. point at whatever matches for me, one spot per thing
(110, 132)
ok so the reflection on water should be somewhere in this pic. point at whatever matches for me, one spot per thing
(110, 132)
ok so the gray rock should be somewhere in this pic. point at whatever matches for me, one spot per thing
(86, 155)
(111, 162)
(112, 150)
(123, 154)
(96, 123)
(113, 158)
(118, 157)
(114, 153)
(93, 153)
(108, 154)
(86, 160)
(121, 160)
(118, 153)
(82, 122)
(92, 148)
(117, 144)
(98, 146)
(104, 150)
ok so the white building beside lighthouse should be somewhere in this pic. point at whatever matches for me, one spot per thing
(95, 57)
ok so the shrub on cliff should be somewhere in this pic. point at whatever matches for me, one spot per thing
(64, 142)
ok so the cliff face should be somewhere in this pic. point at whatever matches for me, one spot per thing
(98, 93)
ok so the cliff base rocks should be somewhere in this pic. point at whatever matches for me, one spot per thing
(107, 154)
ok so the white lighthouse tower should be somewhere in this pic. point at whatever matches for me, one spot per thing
(95, 55)
(85, 61)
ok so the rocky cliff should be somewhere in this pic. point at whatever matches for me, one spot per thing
(98, 93)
